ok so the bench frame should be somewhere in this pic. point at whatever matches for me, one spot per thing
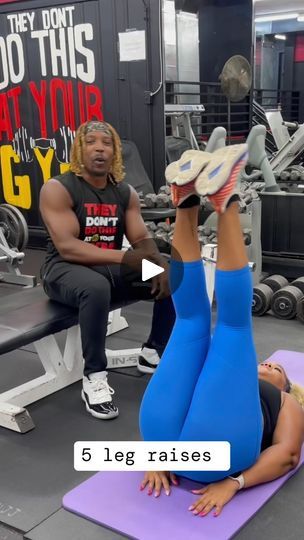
(61, 370)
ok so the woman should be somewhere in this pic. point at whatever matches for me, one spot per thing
(211, 389)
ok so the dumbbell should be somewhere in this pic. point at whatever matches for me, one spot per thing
(162, 240)
(295, 176)
(285, 175)
(300, 310)
(164, 226)
(24, 145)
(262, 293)
(284, 302)
(162, 200)
(247, 236)
(165, 189)
(151, 226)
(150, 200)
(299, 283)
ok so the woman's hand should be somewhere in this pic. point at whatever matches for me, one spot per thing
(158, 480)
(214, 496)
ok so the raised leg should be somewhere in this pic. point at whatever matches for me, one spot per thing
(226, 403)
(168, 396)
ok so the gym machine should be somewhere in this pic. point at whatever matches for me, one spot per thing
(13, 240)
(180, 116)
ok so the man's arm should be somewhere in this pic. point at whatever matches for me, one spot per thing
(284, 454)
(63, 227)
(136, 230)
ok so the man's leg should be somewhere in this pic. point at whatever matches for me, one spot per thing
(90, 292)
(127, 285)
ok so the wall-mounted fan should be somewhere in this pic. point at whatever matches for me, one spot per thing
(236, 80)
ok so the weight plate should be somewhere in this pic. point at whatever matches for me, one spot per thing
(14, 225)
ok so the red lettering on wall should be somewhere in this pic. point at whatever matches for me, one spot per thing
(14, 93)
(71, 105)
(93, 106)
(5, 121)
(56, 86)
(81, 103)
(40, 98)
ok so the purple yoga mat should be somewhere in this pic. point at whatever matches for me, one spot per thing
(113, 499)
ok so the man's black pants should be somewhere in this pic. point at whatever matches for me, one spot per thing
(92, 290)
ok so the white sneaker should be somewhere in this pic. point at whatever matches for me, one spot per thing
(219, 178)
(97, 395)
(187, 168)
(148, 360)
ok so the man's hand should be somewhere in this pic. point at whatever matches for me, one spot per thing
(158, 480)
(160, 283)
(214, 496)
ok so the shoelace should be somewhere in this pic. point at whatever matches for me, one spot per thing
(102, 388)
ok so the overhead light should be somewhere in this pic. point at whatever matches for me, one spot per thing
(301, 18)
(280, 36)
(277, 17)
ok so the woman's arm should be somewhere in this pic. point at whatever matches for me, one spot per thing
(275, 461)
(284, 454)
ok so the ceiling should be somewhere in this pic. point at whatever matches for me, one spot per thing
(277, 6)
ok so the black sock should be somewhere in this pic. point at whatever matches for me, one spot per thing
(234, 198)
(193, 200)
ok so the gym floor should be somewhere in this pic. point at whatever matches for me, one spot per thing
(36, 469)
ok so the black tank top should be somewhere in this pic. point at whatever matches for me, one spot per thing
(100, 212)
(270, 397)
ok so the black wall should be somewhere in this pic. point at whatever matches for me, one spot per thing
(225, 29)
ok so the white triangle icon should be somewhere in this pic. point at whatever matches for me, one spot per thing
(149, 270)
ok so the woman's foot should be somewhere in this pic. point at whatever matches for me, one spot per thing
(218, 179)
(182, 174)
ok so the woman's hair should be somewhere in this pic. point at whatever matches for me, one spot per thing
(117, 169)
(297, 392)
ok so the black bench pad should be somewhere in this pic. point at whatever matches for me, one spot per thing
(30, 315)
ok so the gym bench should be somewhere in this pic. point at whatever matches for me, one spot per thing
(30, 317)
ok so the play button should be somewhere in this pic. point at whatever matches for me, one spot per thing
(149, 270)
(139, 266)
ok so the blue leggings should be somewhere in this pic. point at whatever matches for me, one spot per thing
(206, 389)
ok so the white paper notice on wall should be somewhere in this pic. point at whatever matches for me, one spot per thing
(132, 45)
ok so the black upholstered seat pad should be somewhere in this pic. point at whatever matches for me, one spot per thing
(29, 315)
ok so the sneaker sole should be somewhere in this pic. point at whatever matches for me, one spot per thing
(101, 416)
(198, 160)
(221, 170)
(145, 369)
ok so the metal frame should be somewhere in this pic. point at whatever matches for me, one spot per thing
(61, 370)
(13, 259)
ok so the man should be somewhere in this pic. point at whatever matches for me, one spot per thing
(87, 211)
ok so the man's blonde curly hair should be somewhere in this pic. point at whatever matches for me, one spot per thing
(117, 168)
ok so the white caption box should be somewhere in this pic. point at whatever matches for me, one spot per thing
(151, 456)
